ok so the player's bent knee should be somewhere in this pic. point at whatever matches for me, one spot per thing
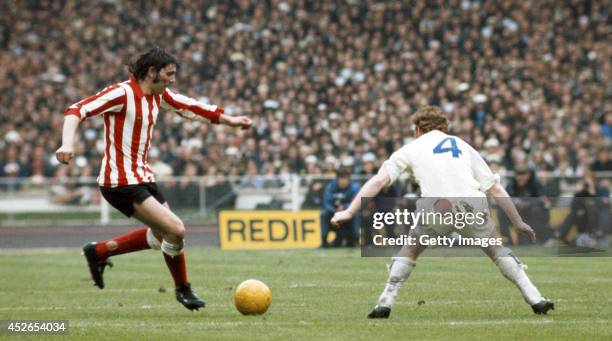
(176, 231)
(179, 228)
(493, 251)
(409, 252)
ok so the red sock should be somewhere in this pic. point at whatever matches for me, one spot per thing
(130, 242)
(177, 268)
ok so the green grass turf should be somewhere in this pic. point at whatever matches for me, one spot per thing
(317, 295)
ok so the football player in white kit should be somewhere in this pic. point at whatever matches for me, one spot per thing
(445, 167)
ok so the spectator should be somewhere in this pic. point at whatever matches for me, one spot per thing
(589, 212)
(337, 196)
(159, 167)
(492, 150)
(533, 75)
(368, 167)
(531, 202)
(312, 165)
(606, 127)
(495, 163)
(314, 196)
(188, 188)
(65, 191)
(602, 162)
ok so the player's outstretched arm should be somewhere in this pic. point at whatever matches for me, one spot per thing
(66, 152)
(192, 109)
(504, 201)
(370, 189)
(236, 121)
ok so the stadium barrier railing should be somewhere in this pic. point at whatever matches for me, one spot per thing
(35, 201)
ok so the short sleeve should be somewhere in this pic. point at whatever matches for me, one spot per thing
(397, 163)
(482, 173)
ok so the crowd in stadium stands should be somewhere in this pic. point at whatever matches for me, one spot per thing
(327, 83)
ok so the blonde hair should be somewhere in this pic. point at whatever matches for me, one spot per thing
(430, 118)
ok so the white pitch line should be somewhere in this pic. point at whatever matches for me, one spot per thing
(114, 307)
(258, 322)
(37, 250)
(472, 301)
(284, 304)
(484, 322)
(249, 321)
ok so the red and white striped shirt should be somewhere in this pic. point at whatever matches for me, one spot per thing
(129, 117)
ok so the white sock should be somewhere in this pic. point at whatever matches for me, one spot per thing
(513, 270)
(171, 249)
(400, 269)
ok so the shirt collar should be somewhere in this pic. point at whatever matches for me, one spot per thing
(135, 87)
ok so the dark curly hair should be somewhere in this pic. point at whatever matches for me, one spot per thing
(157, 58)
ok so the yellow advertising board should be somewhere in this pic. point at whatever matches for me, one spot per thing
(269, 229)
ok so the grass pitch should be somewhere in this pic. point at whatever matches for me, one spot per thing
(317, 295)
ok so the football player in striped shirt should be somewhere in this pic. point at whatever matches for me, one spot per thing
(130, 110)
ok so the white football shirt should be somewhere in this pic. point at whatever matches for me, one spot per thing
(443, 166)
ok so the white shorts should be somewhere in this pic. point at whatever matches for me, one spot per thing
(485, 228)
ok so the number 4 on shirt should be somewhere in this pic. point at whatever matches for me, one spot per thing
(453, 147)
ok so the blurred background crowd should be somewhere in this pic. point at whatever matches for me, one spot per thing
(327, 83)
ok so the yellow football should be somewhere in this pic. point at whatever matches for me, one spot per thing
(252, 297)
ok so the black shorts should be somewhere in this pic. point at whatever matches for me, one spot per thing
(124, 197)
